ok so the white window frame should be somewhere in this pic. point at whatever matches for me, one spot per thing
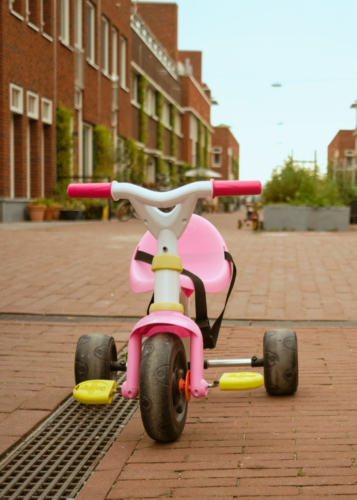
(166, 114)
(44, 102)
(78, 99)
(64, 22)
(20, 108)
(216, 150)
(32, 96)
(114, 54)
(78, 25)
(123, 47)
(178, 123)
(105, 46)
(87, 150)
(134, 88)
(90, 39)
(14, 12)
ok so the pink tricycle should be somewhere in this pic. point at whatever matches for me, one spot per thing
(181, 253)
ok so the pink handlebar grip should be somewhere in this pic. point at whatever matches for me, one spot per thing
(95, 190)
(235, 188)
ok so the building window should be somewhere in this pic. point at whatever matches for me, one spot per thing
(114, 54)
(216, 157)
(90, 32)
(105, 46)
(178, 123)
(87, 150)
(64, 21)
(46, 111)
(31, 12)
(134, 88)
(78, 99)
(16, 99)
(150, 102)
(194, 139)
(123, 62)
(166, 114)
(16, 6)
(32, 105)
(78, 24)
(46, 17)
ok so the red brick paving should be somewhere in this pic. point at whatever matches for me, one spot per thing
(250, 445)
(37, 371)
(83, 269)
(235, 445)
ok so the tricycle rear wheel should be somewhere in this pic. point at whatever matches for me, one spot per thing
(163, 408)
(94, 354)
(281, 373)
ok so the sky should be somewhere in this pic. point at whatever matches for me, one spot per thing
(309, 46)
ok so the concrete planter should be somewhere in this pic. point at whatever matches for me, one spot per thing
(13, 209)
(288, 218)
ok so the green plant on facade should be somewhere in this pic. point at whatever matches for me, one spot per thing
(103, 157)
(173, 138)
(64, 152)
(235, 168)
(131, 161)
(294, 185)
(199, 145)
(64, 141)
(143, 118)
(205, 149)
(160, 125)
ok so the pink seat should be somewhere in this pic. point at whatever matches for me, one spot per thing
(201, 248)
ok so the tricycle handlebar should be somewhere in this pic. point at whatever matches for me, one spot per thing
(115, 190)
(92, 190)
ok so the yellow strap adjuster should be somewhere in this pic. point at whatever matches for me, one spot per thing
(170, 262)
(166, 306)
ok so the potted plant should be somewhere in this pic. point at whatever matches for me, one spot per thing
(56, 211)
(37, 209)
(49, 209)
(72, 210)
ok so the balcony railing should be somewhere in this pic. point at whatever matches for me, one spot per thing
(79, 68)
(345, 165)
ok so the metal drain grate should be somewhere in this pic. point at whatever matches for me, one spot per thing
(58, 458)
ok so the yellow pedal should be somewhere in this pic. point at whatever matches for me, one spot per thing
(240, 381)
(95, 392)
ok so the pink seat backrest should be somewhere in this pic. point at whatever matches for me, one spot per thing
(201, 248)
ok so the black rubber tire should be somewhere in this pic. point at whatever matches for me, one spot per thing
(94, 354)
(280, 351)
(163, 408)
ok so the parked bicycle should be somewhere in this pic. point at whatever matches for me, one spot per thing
(125, 211)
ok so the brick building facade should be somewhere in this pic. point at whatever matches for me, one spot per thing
(106, 62)
(74, 53)
(341, 152)
(225, 153)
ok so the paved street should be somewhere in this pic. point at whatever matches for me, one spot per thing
(83, 269)
(235, 445)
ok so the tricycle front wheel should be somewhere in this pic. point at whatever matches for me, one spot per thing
(163, 408)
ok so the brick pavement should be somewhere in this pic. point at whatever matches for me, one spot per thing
(37, 371)
(235, 445)
(251, 445)
(83, 269)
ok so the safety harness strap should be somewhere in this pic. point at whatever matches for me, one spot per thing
(209, 335)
